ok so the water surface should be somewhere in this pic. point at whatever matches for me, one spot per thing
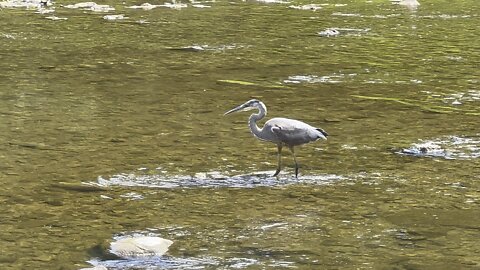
(133, 106)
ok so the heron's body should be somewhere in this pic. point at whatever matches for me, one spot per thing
(290, 132)
(281, 131)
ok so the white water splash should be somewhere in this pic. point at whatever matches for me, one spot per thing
(212, 180)
(332, 78)
(312, 7)
(114, 17)
(28, 4)
(451, 147)
(92, 6)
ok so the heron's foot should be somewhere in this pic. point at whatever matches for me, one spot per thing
(276, 172)
(296, 172)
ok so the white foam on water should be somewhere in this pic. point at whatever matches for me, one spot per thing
(213, 179)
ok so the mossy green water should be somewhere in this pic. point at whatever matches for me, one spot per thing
(86, 97)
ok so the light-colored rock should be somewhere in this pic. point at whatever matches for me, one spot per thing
(140, 246)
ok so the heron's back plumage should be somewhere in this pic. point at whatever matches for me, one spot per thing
(293, 132)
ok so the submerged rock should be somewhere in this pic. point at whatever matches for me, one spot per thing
(80, 187)
(451, 147)
(140, 246)
(425, 149)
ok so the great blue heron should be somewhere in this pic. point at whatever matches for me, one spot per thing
(281, 131)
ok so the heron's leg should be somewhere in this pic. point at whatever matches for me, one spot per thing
(294, 159)
(279, 156)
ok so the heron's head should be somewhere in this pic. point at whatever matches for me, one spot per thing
(249, 105)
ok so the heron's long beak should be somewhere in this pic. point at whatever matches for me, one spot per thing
(236, 109)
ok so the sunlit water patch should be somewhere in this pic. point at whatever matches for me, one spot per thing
(451, 147)
(175, 5)
(55, 18)
(410, 4)
(457, 98)
(446, 16)
(462, 101)
(132, 196)
(115, 17)
(91, 6)
(342, 14)
(434, 103)
(330, 32)
(213, 180)
(273, 1)
(170, 262)
(209, 48)
(339, 31)
(312, 7)
(144, 6)
(333, 78)
(28, 4)
(8, 36)
(155, 263)
(146, 250)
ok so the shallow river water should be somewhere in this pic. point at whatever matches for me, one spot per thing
(113, 125)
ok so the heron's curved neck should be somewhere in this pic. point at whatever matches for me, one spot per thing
(252, 121)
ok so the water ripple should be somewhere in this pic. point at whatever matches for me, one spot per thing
(333, 78)
(213, 180)
(451, 147)
(164, 262)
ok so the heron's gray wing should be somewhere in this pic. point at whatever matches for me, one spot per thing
(293, 132)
